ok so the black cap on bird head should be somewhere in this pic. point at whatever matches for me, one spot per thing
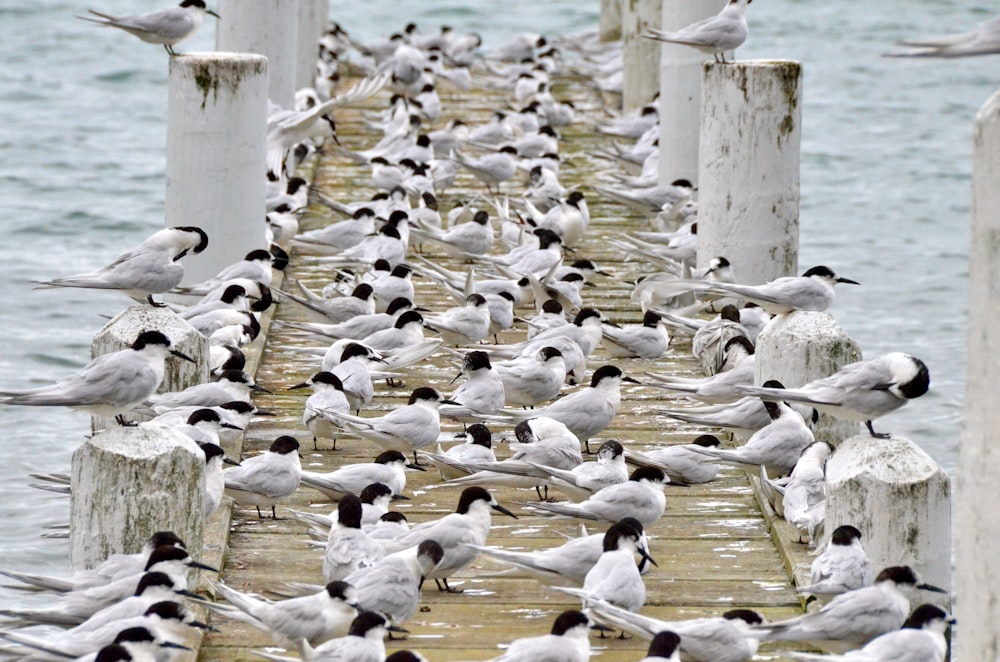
(284, 445)
(568, 620)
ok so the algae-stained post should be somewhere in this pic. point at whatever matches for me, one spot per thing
(748, 174)
(216, 155)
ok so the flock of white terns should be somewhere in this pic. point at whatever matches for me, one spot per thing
(131, 607)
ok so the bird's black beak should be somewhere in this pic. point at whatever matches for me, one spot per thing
(610, 323)
(195, 564)
(230, 426)
(415, 467)
(455, 379)
(451, 402)
(259, 389)
(503, 510)
(630, 379)
(646, 557)
(848, 281)
(400, 497)
(297, 386)
(181, 355)
(226, 460)
(212, 13)
(170, 644)
(928, 587)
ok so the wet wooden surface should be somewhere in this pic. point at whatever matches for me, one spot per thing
(713, 545)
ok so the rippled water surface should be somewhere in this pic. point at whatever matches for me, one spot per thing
(885, 191)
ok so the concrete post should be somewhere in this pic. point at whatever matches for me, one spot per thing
(680, 82)
(610, 26)
(122, 331)
(977, 526)
(216, 155)
(641, 56)
(748, 173)
(129, 483)
(269, 28)
(314, 15)
(899, 498)
(800, 347)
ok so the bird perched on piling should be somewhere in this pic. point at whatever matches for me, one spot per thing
(166, 27)
(111, 384)
(861, 391)
(153, 267)
(723, 32)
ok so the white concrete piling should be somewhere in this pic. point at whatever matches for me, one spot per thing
(641, 56)
(748, 174)
(800, 347)
(216, 155)
(269, 28)
(900, 500)
(130, 482)
(680, 83)
(314, 15)
(977, 525)
(610, 26)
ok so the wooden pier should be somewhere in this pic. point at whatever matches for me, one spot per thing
(714, 545)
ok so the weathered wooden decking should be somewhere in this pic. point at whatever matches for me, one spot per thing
(713, 545)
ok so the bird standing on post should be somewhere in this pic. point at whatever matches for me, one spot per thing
(150, 268)
(110, 385)
(726, 31)
(166, 26)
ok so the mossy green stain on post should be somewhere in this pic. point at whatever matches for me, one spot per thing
(789, 75)
(207, 82)
(207, 78)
